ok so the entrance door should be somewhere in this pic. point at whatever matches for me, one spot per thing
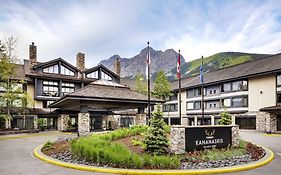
(96, 122)
(279, 123)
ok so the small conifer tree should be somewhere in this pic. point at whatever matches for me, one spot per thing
(156, 141)
(225, 118)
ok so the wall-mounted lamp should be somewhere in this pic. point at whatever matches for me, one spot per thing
(261, 92)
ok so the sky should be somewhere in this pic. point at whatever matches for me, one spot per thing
(103, 28)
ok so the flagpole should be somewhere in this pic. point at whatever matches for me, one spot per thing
(148, 80)
(179, 77)
(202, 90)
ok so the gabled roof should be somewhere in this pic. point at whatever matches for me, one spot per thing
(268, 65)
(54, 61)
(92, 69)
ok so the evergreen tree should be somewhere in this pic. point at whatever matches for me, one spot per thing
(156, 140)
(225, 118)
(162, 88)
(141, 85)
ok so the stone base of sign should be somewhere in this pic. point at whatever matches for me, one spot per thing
(178, 137)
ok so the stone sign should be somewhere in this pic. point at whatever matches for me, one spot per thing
(212, 137)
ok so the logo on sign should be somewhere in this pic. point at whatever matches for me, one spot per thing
(210, 133)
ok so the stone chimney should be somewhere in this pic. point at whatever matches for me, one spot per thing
(117, 66)
(32, 55)
(80, 61)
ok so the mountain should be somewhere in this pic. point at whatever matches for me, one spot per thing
(131, 66)
(216, 61)
(167, 61)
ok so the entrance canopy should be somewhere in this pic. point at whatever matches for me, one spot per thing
(103, 95)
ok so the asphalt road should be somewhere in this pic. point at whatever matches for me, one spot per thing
(16, 156)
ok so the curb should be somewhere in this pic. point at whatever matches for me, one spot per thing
(265, 160)
(273, 135)
(28, 135)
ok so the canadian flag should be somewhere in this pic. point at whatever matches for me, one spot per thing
(178, 67)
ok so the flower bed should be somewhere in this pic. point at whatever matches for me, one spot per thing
(122, 148)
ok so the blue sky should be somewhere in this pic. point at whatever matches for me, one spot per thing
(103, 28)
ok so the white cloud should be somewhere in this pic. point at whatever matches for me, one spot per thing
(104, 28)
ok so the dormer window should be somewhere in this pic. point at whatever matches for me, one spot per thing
(104, 76)
(93, 75)
(66, 71)
(52, 69)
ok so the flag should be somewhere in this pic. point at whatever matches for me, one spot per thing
(201, 72)
(178, 67)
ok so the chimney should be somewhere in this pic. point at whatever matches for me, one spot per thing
(117, 66)
(80, 61)
(32, 55)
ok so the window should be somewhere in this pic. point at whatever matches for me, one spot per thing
(210, 92)
(104, 76)
(190, 106)
(170, 107)
(93, 75)
(52, 69)
(197, 105)
(197, 92)
(67, 88)
(210, 105)
(240, 102)
(215, 105)
(215, 91)
(66, 71)
(226, 102)
(226, 87)
(279, 80)
(51, 88)
(190, 93)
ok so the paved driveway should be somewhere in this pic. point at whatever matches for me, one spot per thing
(16, 157)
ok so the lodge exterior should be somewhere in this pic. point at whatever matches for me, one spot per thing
(250, 92)
(93, 95)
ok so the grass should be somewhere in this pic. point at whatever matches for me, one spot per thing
(101, 150)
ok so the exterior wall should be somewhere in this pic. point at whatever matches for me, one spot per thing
(262, 92)
(183, 103)
(63, 122)
(113, 120)
(140, 119)
(31, 93)
(83, 124)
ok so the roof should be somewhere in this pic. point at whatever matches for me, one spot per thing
(106, 91)
(262, 66)
(272, 108)
(54, 61)
(92, 69)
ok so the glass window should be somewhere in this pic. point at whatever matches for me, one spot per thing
(67, 88)
(237, 85)
(50, 88)
(244, 85)
(197, 105)
(66, 71)
(197, 92)
(237, 101)
(170, 107)
(190, 105)
(190, 93)
(104, 76)
(215, 91)
(93, 75)
(226, 102)
(279, 80)
(215, 105)
(226, 87)
(52, 69)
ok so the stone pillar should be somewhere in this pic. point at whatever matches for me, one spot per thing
(235, 135)
(140, 119)
(212, 120)
(83, 124)
(177, 140)
(35, 121)
(261, 121)
(271, 122)
(233, 119)
(63, 122)
(195, 120)
(8, 124)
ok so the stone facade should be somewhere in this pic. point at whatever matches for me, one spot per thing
(80, 61)
(140, 119)
(35, 122)
(235, 135)
(111, 122)
(271, 123)
(83, 124)
(63, 122)
(178, 140)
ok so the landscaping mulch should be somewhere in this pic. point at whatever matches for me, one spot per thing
(61, 150)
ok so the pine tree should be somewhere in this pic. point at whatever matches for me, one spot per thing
(162, 88)
(225, 118)
(156, 140)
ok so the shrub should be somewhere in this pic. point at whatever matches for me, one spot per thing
(99, 148)
(48, 145)
(156, 140)
(225, 118)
